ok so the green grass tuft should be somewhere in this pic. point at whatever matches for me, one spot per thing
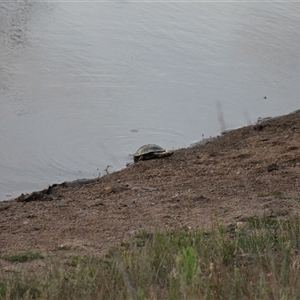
(259, 260)
(22, 256)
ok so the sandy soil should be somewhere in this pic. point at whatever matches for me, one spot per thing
(254, 170)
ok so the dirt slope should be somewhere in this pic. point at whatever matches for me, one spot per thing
(250, 171)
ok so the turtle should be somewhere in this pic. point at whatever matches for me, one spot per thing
(150, 151)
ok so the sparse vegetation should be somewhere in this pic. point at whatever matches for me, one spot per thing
(276, 193)
(258, 260)
(21, 257)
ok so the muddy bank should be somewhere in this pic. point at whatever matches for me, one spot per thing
(254, 170)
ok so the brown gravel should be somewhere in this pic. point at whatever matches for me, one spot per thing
(254, 170)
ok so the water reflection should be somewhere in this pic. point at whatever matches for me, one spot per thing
(274, 45)
(13, 19)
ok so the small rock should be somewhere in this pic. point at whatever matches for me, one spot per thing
(240, 224)
(108, 190)
(272, 167)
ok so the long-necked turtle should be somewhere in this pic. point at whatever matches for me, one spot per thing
(150, 151)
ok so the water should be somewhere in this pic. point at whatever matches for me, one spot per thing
(84, 84)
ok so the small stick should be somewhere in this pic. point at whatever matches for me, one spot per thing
(106, 169)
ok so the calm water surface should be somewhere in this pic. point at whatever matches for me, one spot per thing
(84, 84)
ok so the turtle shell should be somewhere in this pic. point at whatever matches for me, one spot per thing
(147, 151)
(150, 148)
